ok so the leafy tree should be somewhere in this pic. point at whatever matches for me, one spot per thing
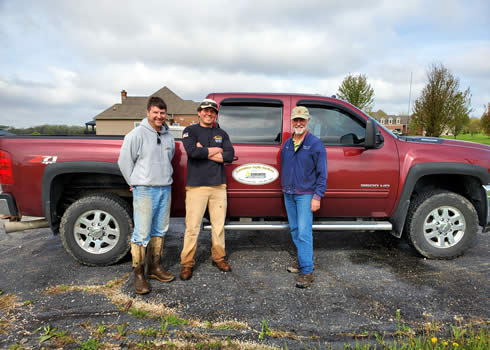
(474, 126)
(357, 91)
(485, 121)
(441, 105)
(460, 115)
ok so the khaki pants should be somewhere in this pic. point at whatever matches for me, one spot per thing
(197, 198)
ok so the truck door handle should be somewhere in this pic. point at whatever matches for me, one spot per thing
(235, 158)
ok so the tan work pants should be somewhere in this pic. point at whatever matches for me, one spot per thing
(197, 198)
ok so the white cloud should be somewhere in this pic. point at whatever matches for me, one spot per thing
(63, 57)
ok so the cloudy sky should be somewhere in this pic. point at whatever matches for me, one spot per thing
(63, 62)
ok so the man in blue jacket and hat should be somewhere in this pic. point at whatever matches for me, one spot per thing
(303, 181)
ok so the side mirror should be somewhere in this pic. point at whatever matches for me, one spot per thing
(370, 141)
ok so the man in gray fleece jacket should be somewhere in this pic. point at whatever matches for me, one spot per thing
(145, 161)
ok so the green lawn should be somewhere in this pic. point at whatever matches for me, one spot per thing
(478, 138)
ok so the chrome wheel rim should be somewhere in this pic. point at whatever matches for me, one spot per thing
(96, 231)
(444, 227)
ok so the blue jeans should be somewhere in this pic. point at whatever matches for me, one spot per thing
(151, 212)
(300, 218)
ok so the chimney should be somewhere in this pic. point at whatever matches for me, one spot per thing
(124, 95)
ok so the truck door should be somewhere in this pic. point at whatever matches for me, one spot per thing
(255, 127)
(361, 182)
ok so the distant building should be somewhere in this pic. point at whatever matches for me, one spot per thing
(121, 118)
(397, 123)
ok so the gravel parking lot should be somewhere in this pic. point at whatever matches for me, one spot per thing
(362, 279)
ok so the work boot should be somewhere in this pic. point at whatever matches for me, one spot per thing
(155, 250)
(305, 280)
(222, 265)
(185, 273)
(138, 255)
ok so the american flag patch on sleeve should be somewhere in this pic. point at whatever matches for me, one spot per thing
(186, 134)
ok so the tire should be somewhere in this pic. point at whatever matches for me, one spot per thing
(441, 224)
(96, 229)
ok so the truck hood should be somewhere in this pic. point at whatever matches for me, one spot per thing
(418, 149)
(446, 142)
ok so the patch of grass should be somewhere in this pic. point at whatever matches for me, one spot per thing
(148, 332)
(173, 320)
(61, 288)
(100, 329)
(15, 347)
(478, 138)
(138, 313)
(121, 329)
(90, 344)
(432, 337)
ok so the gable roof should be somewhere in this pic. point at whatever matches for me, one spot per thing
(134, 107)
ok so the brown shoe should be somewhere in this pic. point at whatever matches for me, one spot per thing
(185, 273)
(140, 283)
(304, 281)
(156, 272)
(222, 265)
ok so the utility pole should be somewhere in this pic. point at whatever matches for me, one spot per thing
(409, 98)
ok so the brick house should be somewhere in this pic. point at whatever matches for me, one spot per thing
(399, 123)
(121, 118)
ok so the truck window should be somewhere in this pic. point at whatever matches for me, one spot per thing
(334, 126)
(259, 124)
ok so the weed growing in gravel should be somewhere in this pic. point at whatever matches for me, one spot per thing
(148, 332)
(90, 344)
(163, 326)
(147, 344)
(265, 330)
(49, 333)
(173, 320)
(138, 313)
(121, 329)
(100, 329)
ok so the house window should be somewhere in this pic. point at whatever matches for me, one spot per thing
(383, 121)
(398, 121)
(390, 121)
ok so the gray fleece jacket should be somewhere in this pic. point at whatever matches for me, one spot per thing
(145, 162)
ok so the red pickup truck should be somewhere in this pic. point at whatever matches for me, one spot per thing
(428, 190)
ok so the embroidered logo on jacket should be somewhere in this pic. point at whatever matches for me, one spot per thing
(218, 139)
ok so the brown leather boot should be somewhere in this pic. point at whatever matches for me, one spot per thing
(185, 273)
(156, 272)
(138, 254)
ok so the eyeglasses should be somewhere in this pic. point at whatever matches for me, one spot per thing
(158, 139)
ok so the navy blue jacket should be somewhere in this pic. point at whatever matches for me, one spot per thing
(304, 171)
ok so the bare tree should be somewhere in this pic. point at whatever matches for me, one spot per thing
(357, 91)
(441, 105)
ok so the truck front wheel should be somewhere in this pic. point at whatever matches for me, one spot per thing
(441, 224)
(96, 229)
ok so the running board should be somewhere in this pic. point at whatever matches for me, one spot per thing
(317, 226)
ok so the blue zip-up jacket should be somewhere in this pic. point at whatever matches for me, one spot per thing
(304, 171)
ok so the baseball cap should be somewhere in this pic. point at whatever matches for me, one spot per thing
(208, 103)
(300, 112)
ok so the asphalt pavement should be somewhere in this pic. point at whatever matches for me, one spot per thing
(361, 280)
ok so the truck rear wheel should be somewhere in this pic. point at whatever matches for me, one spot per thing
(96, 229)
(441, 224)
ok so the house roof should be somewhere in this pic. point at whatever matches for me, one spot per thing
(134, 107)
(403, 118)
